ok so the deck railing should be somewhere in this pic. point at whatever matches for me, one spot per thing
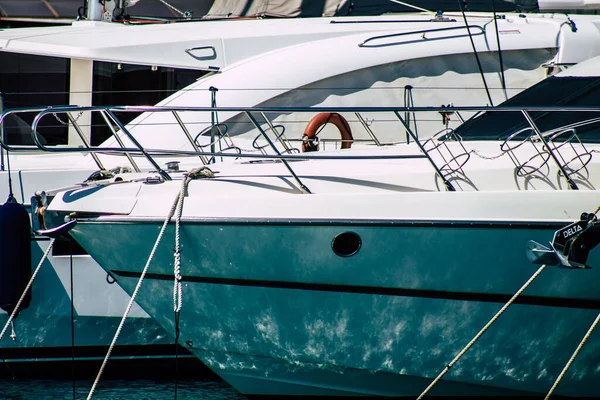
(560, 144)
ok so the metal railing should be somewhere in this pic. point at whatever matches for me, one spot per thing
(444, 161)
(423, 35)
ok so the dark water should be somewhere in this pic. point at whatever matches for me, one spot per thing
(117, 389)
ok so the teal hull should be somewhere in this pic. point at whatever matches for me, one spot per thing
(48, 335)
(273, 310)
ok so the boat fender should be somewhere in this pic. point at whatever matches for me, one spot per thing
(310, 140)
(15, 255)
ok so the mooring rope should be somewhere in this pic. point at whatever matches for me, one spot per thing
(37, 269)
(133, 296)
(575, 353)
(177, 292)
(481, 332)
(203, 172)
(579, 347)
(177, 206)
(177, 295)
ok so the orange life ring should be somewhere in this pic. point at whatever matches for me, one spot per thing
(320, 120)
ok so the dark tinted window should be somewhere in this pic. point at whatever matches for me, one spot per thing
(31, 81)
(553, 91)
(36, 81)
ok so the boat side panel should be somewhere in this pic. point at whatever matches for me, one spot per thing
(285, 296)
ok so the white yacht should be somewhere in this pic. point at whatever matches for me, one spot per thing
(365, 270)
(414, 60)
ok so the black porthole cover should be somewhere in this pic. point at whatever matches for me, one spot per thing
(346, 244)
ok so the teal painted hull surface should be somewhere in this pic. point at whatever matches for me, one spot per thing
(273, 310)
(49, 323)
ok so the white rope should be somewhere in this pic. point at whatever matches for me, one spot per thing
(133, 296)
(481, 332)
(16, 310)
(177, 294)
(585, 338)
(202, 172)
(578, 349)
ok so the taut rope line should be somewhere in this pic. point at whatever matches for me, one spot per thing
(134, 294)
(481, 332)
(176, 206)
(562, 373)
(578, 349)
(16, 310)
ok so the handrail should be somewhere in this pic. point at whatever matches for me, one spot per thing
(571, 182)
(122, 127)
(147, 152)
(11, 111)
(367, 128)
(188, 135)
(3, 141)
(284, 141)
(54, 109)
(118, 139)
(423, 32)
(433, 164)
(572, 126)
(121, 131)
(84, 139)
(212, 56)
(287, 165)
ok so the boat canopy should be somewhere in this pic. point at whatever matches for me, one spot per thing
(170, 9)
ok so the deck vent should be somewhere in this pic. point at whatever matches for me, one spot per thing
(346, 244)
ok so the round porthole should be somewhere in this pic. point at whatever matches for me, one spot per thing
(346, 244)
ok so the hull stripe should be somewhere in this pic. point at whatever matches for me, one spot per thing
(375, 290)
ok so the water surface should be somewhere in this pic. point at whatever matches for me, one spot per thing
(117, 389)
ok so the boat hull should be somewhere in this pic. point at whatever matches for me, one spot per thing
(57, 337)
(272, 309)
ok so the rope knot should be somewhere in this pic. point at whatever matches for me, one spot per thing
(198, 173)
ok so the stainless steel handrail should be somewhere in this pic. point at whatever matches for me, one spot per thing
(83, 138)
(212, 56)
(189, 137)
(437, 169)
(4, 146)
(562, 168)
(150, 154)
(139, 149)
(268, 139)
(115, 134)
(109, 112)
(423, 32)
(6, 113)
